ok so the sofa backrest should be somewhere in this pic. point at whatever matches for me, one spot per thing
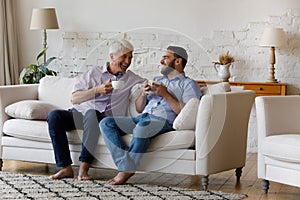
(56, 90)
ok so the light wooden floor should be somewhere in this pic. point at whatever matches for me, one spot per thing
(224, 181)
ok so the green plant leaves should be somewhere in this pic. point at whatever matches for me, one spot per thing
(48, 61)
(34, 72)
(40, 55)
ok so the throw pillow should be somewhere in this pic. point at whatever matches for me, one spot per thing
(135, 92)
(216, 88)
(186, 119)
(29, 109)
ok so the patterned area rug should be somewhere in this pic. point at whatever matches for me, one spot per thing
(26, 186)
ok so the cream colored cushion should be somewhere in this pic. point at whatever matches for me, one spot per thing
(216, 88)
(37, 130)
(56, 90)
(282, 147)
(134, 93)
(30, 109)
(186, 119)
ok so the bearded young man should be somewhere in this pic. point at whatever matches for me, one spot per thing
(159, 103)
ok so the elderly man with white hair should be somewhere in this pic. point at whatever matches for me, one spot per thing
(93, 98)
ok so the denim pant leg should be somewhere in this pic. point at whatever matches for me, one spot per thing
(112, 129)
(60, 121)
(148, 126)
(91, 133)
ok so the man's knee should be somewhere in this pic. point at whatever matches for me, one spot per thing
(105, 123)
(93, 114)
(90, 113)
(54, 116)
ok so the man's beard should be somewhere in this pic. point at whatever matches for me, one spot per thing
(168, 69)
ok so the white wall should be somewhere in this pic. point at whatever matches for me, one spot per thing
(195, 18)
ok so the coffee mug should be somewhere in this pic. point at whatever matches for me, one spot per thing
(152, 83)
(117, 84)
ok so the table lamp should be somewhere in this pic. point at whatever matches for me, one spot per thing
(43, 19)
(272, 37)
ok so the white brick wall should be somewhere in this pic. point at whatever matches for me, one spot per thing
(82, 50)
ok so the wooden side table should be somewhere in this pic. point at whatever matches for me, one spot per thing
(261, 88)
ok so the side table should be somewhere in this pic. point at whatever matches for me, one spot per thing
(261, 88)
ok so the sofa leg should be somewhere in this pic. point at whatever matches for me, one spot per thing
(265, 185)
(204, 182)
(238, 173)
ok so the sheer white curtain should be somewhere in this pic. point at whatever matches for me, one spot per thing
(9, 72)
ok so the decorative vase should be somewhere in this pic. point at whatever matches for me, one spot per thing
(223, 71)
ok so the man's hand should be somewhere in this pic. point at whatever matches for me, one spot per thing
(105, 88)
(146, 88)
(154, 87)
(84, 95)
(160, 89)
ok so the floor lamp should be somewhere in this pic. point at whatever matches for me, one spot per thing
(43, 19)
(272, 37)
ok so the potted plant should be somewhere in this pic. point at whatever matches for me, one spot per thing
(34, 72)
(225, 59)
(222, 66)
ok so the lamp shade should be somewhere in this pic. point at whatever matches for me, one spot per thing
(43, 18)
(273, 37)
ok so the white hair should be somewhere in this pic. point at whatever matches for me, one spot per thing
(117, 45)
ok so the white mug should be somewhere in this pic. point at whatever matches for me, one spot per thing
(117, 84)
(152, 83)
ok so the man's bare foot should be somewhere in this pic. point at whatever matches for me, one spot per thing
(83, 172)
(121, 178)
(65, 172)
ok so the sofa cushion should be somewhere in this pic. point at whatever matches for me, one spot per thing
(134, 93)
(38, 131)
(283, 147)
(169, 141)
(30, 109)
(216, 88)
(186, 119)
(52, 87)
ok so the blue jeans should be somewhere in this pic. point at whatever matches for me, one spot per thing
(144, 127)
(60, 121)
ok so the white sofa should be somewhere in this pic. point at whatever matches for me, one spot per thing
(278, 140)
(210, 136)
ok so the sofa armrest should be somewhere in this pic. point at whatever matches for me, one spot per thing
(277, 115)
(221, 131)
(12, 93)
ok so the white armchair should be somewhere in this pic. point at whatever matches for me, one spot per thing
(278, 123)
